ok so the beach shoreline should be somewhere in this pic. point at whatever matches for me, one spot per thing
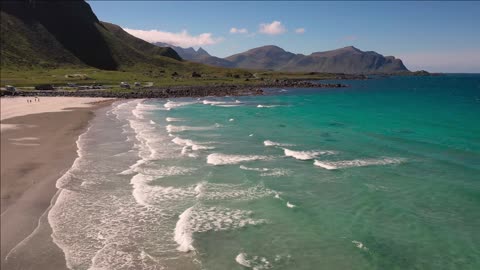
(38, 147)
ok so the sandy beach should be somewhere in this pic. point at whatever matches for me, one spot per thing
(37, 147)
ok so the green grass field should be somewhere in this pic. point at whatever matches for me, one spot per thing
(159, 77)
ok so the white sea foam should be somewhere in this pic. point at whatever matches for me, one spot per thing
(254, 262)
(145, 132)
(62, 182)
(306, 155)
(173, 129)
(209, 102)
(94, 207)
(146, 136)
(224, 159)
(198, 219)
(176, 104)
(200, 188)
(242, 260)
(228, 105)
(333, 165)
(195, 146)
(147, 194)
(152, 122)
(266, 106)
(277, 172)
(212, 191)
(183, 234)
(271, 143)
(172, 119)
(137, 113)
(236, 103)
(142, 109)
(289, 205)
(253, 169)
(133, 167)
(359, 245)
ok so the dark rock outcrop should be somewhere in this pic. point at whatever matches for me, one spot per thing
(182, 91)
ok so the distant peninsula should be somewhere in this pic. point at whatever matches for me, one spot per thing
(348, 60)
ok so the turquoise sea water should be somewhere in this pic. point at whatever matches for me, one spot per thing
(384, 174)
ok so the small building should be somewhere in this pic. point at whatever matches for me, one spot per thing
(125, 85)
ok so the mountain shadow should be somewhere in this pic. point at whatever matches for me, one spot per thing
(73, 25)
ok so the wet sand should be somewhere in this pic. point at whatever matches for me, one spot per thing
(34, 154)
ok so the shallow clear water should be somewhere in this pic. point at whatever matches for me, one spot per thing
(381, 175)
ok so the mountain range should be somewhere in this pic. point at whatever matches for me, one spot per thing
(199, 56)
(56, 33)
(343, 60)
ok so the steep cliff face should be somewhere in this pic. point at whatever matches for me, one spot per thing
(57, 33)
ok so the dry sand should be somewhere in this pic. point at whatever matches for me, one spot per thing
(38, 148)
(18, 106)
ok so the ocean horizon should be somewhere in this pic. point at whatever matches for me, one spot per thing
(380, 175)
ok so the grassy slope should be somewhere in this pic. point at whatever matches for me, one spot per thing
(29, 45)
(37, 49)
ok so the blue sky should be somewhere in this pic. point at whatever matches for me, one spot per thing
(436, 36)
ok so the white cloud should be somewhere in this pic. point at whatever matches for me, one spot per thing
(235, 30)
(300, 30)
(182, 39)
(274, 28)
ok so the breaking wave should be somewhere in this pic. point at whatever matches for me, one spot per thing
(306, 155)
(176, 104)
(271, 143)
(224, 159)
(173, 129)
(197, 219)
(334, 165)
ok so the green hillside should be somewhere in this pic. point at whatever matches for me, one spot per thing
(61, 33)
(63, 41)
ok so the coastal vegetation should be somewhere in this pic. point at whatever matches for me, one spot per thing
(50, 42)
